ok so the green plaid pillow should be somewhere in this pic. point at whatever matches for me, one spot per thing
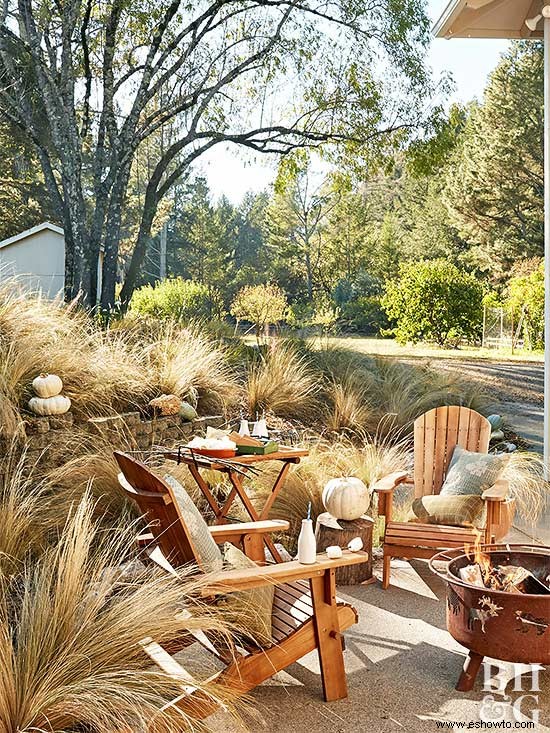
(457, 511)
(471, 473)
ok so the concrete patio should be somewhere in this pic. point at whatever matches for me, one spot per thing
(402, 667)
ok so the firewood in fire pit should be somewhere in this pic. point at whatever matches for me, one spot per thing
(472, 574)
(515, 579)
(505, 578)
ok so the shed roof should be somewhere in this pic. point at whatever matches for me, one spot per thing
(29, 233)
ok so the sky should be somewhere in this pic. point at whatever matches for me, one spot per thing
(232, 173)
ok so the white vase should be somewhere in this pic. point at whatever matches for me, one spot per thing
(243, 428)
(307, 547)
(259, 429)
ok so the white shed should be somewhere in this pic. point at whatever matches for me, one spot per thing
(37, 257)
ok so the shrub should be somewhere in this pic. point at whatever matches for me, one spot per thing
(178, 300)
(358, 299)
(526, 300)
(364, 314)
(434, 301)
(261, 305)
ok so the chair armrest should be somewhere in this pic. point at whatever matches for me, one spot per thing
(226, 532)
(389, 482)
(497, 492)
(228, 581)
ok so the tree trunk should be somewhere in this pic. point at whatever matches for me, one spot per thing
(112, 240)
(140, 250)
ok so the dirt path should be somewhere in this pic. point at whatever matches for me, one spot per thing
(517, 388)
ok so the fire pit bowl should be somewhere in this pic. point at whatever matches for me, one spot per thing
(510, 626)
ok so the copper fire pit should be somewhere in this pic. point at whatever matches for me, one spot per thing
(512, 627)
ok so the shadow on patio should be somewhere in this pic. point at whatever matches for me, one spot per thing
(402, 667)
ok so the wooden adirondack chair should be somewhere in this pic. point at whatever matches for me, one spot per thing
(306, 615)
(436, 433)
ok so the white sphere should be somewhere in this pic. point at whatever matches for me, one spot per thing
(346, 497)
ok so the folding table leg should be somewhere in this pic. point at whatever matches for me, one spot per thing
(249, 506)
(203, 486)
(277, 486)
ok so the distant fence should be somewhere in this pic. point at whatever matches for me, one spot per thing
(500, 331)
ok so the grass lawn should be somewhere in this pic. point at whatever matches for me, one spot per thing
(390, 347)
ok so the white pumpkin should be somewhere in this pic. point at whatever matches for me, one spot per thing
(47, 385)
(346, 498)
(56, 405)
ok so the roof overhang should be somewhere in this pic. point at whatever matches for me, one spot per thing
(488, 19)
(30, 232)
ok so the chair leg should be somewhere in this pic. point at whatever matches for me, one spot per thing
(386, 571)
(328, 634)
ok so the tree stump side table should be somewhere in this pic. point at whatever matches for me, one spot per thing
(331, 531)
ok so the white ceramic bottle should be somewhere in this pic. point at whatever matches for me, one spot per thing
(307, 547)
(243, 428)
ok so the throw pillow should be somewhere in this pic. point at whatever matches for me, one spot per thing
(471, 473)
(209, 554)
(457, 511)
(249, 610)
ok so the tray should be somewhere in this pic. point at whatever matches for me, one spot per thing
(258, 450)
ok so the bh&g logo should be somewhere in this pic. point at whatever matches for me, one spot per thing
(522, 707)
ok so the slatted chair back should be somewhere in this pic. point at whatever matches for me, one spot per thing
(436, 433)
(156, 500)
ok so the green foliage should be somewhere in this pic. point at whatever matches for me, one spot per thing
(434, 301)
(526, 301)
(261, 305)
(24, 201)
(494, 181)
(364, 315)
(320, 316)
(179, 300)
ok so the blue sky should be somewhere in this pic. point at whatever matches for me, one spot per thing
(470, 61)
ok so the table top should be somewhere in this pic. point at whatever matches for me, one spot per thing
(285, 454)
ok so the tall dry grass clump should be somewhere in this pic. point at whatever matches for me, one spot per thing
(100, 370)
(382, 395)
(525, 474)
(281, 381)
(187, 362)
(26, 516)
(104, 371)
(70, 631)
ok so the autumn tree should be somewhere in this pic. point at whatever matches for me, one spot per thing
(90, 84)
(261, 305)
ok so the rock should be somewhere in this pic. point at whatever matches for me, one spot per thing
(166, 404)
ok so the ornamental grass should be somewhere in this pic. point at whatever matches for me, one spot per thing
(72, 623)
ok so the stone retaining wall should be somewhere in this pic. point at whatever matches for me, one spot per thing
(49, 438)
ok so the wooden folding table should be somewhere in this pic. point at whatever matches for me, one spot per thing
(235, 469)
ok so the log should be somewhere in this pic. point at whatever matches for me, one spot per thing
(331, 531)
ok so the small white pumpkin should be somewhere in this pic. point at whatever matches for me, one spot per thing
(57, 405)
(47, 385)
(346, 498)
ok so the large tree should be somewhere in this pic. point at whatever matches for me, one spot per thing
(92, 83)
(495, 180)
